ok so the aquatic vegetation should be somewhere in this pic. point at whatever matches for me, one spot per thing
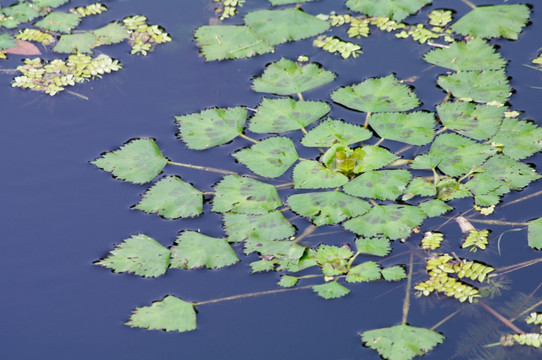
(462, 149)
(57, 29)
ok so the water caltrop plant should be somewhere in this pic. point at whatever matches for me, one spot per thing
(27, 23)
(471, 145)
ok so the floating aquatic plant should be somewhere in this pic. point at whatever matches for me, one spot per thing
(462, 149)
(56, 30)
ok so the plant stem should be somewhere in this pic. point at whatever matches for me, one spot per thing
(441, 130)
(498, 222)
(445, 319)
(206, 168)
(248, 138)
(77, 94)
(254, 294)
(515, 316)
(469, 4)
(521, 199)
(284, 186)
(300, 96)
(521, 265)
(406, 302)
(504, 320)
(367, 116)
(379, 141)
(400, 151)
(303, 130)
(305, 233)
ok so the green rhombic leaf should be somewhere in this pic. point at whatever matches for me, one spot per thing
(219, 42)
(393, 273)
(480, 86)
(479, 122)
(110, 34)
(193, 250)
(373, 246)
(513, 173)
(535, 234)
(140, 255)
(330, 290)
(383, 184)
(244, 195)
(280, 26)
(401, 342)
(521, 139)
(331, 132)
(367, 271)
(169, 314)
(493, 21)
(138, 161)
(392, 221)
(270, 157)
(286, 77)
(377, 95)
(281, 115)
(416, 128)
(59, 22)
(456, 155)
(6, 41)
(328, 207)
(374, 158)
(394, 9)
(172, 198)
(272, 226)
(285, 2)
(475, 54)
(211, 127)
(78, 43)
(310, 174)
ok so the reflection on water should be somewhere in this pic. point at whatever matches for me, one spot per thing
(61, 213)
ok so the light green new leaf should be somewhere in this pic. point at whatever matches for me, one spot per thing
(138, 161)
(272, 226)
(383, 185)
(479, 122)
(194, 250)
(169, 314)
(281, 115)
(59, 22)
(280, 26)
(456, 155)
(394, 9)
(521, 139)
(514, 174)
(416, 128)
(75, 43)
(392, 221)
(172, 198)
(330, 290)
(211, 127)
(310, 174)
(333, 259)
(6, 41)
(401, 342)
(245, 195)
(138, 254)
(449, 189)
(270, 157)
(374, 158)
(480, 86)
(329, 207)
(285, 2)
(367, 271)
(377, 95)
(111, 33)
(373, 246)
(288, 281)
(475, 54)
(286, 77)
(394, 273)
(331, 132)
(435, 207)
(219, 42)
(535, 234)
(493, 21)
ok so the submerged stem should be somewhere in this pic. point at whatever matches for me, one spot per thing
(367, 116)
(204, 168)
(300, 96)
(504, 320)
(284, 186)
(76, 94)
(445, 319)
(254, 294)
(310, 229)
(521, 199)
(498, 222)
(469, 4)
(248, 138)
(518, 266)
(406, 303)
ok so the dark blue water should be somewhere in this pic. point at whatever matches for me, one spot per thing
(60, 214)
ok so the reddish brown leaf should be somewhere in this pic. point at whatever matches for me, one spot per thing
(23, 48)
